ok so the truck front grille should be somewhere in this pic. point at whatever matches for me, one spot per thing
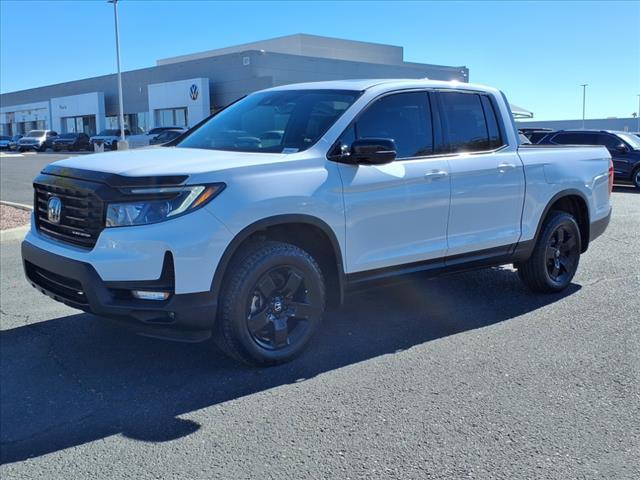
(81, 216)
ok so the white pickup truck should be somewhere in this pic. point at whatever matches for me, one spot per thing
(249, 235)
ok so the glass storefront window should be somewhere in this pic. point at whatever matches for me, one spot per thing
(171, 117)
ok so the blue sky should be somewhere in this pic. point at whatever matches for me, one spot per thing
(537, 52)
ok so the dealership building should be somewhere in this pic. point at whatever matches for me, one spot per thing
(181, 91)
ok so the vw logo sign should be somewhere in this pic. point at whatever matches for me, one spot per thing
(193, 92)
(54, 209)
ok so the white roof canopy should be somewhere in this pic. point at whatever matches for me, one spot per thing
(519, 112)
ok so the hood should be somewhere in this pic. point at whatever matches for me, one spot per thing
(167, 161)
(31, 139)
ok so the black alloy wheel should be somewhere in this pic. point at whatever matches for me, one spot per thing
(562, 255)
(279, 308)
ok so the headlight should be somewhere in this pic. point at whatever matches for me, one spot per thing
(159, 203)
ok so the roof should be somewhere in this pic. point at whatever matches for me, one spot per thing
(391, 83)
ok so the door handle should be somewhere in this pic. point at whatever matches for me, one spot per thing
(435, 175)
(504, 167)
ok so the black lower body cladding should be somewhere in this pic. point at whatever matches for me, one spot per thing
(183, 317)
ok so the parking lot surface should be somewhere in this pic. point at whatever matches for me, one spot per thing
(464, 376)
(17, 171)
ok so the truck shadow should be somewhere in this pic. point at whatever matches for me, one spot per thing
(77, 379)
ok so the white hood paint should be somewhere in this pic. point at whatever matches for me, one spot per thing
(167, 161)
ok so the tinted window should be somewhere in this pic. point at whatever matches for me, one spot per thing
(569, 139)
(495, 140)
(273, 121)
(609, 141)
(464, 122)
(404, 118)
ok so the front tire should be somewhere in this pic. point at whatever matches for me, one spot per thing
(271, 305)
(556, 255)
(635, 178)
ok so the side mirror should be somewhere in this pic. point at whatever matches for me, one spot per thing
(373, 151)
(622, 148)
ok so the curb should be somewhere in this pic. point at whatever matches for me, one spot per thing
(21, 206)
(17, 233)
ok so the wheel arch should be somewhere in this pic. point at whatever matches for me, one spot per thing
(305, 231)
(574, 202)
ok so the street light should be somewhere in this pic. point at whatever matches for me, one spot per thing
(638, 117)
(584, 97)
(122, 144)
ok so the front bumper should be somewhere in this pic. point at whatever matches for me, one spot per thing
(183, 317)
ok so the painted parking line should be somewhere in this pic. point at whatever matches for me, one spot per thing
(10, 155)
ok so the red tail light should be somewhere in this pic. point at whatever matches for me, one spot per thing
(610, 177)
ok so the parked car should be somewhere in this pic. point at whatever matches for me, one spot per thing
(13, 144)
(39, 140)
(154, 132)
(166, 136)
(535, 134)
(624, 148)
(72, 141)
(221, 235)
(109, 138)
(5, 142)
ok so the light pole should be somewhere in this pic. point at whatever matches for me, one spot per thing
(122, 144)
(638, 117)
(584, 98)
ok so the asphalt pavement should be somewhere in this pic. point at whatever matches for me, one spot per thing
(463, 376)
(17, 171)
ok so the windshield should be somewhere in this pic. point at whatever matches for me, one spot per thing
(278, 121)
(36, 133)
(632, 140)
(109, 133)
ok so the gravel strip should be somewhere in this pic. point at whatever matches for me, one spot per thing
(11, 217)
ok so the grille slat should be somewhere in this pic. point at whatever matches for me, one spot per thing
(81, 217)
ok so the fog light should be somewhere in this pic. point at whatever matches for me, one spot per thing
(145, 295)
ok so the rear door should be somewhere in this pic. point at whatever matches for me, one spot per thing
(487, 176)
(396, 213)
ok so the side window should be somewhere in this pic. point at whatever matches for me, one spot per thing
(568, 139)
(464, 122)
(403, 117)
(609, 141)
(495, 139)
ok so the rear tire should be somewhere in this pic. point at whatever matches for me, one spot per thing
(271, 305)
(555, 257)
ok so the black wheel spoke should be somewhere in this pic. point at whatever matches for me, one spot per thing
(258, 321)
(302, 310)
(570, 243)
(566, 263)
(550, 252)
(266, 286)
(280, 332)
(555, 271)
(292, 285)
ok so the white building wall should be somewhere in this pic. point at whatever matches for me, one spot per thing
(27, 112)
(76, 106)
(180, 94)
